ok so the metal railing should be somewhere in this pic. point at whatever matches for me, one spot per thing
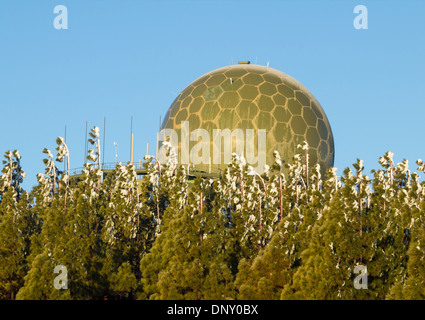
(110, 166)
(107, 166)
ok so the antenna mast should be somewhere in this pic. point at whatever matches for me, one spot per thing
(64, 163)
(85, 147)
(104, 134)
(131, 135)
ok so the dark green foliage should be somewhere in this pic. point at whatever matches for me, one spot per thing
(242, 236)
(17, 226)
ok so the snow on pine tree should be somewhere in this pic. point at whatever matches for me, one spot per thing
(411, 285)
(263, 195)
(243, 201)
(63, 153)
(12, 173)
(277, 186)
(393, 207)
(188, 260)
(52, 175)
(326, 270)
(273, 268)
(244, 235)
(49, 210)
(122, 215)
(71, 236)
(17, 225)
(50, 226)
(124, 231)
(173, 183)
(164, 187)
(86, 221)
(151, 186)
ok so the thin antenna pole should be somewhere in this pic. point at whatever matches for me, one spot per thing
(157, 142)
(131, 134)
(64, 163)
(85, 147)
(104, 135)
(157, 138)
(132, 148)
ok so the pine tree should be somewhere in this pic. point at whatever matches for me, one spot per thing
(391, 223)
(284, 233)
(165, 193)
(71, 233)
(412, 285)
(17, 225)
(187, 260)
(128, 230)
(297, 208)
(328, 261)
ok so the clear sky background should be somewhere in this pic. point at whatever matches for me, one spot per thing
(129, 58)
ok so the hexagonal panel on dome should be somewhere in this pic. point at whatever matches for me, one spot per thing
(247, 110)
(182, 115)
(212, 93)
(231, 84)
(323, 131)
(268, 88)
(282, 114)
(173, 110)
(309, 117)
(252, 78)
(194, 121)
(196, 104)
(229, 100)
(323, 150)
(266, 103)
(265, 120)
(279, 99)
(285, 91)
(313, 137)
(215, 80)
(317, 110)
(185, 92)
(227, 119)
(272, 78)
(248, 92)
(235, 72)
(186, 102)
(209, 126)
(301, 97)
(282, 132)
(295, 107)
(199, 90)
(210, 110)
(298, 125)
(255, 97)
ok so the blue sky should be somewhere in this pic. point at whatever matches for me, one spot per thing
(128, 58)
